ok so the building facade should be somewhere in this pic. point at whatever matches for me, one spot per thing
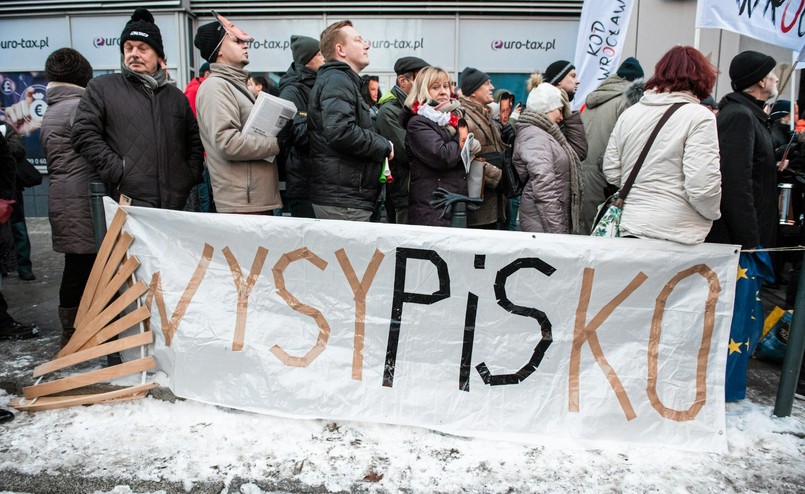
(507, 39)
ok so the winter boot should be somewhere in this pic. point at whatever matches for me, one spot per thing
(67, 320)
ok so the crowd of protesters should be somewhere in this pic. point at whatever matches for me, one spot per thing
(706, 177)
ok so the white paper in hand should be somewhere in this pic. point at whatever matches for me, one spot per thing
(269, 116)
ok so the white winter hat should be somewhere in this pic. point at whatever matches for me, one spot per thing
(544, 98)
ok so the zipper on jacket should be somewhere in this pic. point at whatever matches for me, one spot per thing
(249, 183)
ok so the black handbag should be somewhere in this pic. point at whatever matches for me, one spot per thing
(27, 174)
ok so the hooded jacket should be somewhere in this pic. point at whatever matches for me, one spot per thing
(147, 148)
(435, 161)
(677, 192)
(346, 156)
(604, 105)
(748, 173)
(295, 86)
(69, 208)
(388, 124)
(242, 180)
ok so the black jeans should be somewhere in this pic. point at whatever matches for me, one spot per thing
(74, 278)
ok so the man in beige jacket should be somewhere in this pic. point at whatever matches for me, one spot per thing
(242, 181)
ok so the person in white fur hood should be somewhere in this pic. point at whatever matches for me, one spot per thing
(547, 163)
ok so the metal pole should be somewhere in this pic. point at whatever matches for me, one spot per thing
(793, 353)
(97, 191)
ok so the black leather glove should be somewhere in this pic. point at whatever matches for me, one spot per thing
(285, 136)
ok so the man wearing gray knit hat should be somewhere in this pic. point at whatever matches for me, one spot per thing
(120, 113)
(295, 86)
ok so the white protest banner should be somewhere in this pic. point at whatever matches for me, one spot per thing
(507, 335)
(602, 33)
(779, 23)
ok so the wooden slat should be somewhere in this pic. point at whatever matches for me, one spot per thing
(100, 261)
(94, 352)
(83, 334)
(122, 245)
(112, 287)
(55, 402)
(92, 377)
(131, 319)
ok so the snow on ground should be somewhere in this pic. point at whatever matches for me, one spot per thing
(191, 442)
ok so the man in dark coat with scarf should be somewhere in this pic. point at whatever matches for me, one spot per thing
(295, 86)
(748, 168)
(136, 129)
(748, 202)
(347, 156)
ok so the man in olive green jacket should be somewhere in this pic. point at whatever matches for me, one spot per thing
(603, 107)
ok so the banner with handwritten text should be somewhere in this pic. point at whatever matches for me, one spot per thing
(508, 335)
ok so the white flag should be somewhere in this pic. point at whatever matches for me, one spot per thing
(602, 33)
(782, 25)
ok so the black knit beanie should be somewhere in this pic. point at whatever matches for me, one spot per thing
(303, 48)
(141, 27)
(748, 68)
(472, 79)
(557, 71)
(67, 65)
(207, 39)
(630, 69)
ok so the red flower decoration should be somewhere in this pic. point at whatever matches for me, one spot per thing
(454, 120)
(415, 107)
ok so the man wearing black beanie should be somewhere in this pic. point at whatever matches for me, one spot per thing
(243, 181)
(748, 168)
(562, 74)
(137, 130)
(295, 86)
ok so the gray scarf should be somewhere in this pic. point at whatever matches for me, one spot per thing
(540, 120)
(150, 83)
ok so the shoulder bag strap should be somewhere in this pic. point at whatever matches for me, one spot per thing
(636, 169)
(241, 89)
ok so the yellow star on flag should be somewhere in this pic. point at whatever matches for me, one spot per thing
(742, 272)
(734, 347)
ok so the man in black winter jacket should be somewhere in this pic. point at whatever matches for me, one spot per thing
(136, 129)
(346, 155)
(295, 86)
(748, 167)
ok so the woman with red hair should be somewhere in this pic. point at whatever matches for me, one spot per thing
(677, 192)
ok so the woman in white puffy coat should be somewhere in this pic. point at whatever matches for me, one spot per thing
(677, 193)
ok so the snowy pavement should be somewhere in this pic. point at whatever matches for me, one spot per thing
(151, 445)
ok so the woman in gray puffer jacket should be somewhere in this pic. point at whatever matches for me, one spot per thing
(548, 165)
(69, 177)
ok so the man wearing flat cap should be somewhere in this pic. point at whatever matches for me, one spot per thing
(388, 125)
(748, 168)
(242, 180)
(295, 86)
(135, 129)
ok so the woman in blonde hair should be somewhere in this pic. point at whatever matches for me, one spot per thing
(431, 118)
